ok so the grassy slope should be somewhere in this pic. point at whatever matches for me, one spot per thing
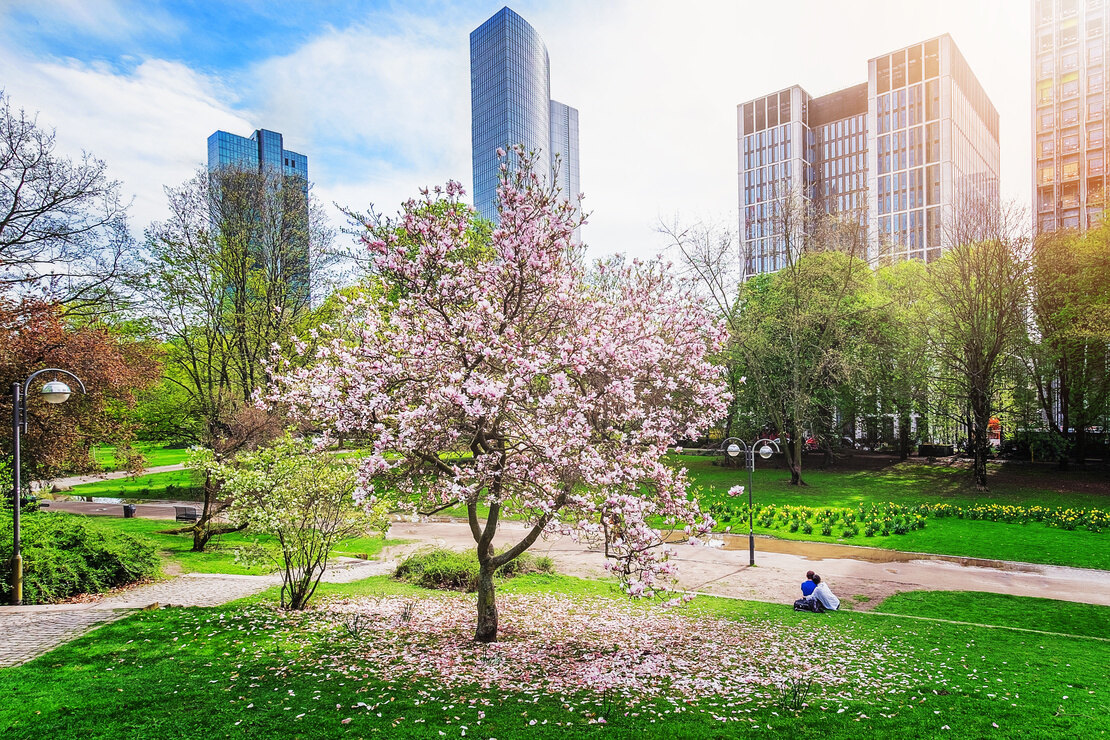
(155, 454)
(911, 483)
(1048, 615)
(905, 483)
(199, 673)
(153, 486)
(220, 555)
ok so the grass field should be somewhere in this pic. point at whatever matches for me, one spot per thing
(1048, 615)
(246, 671)
(156, 454)
(915, 483)
(171, 485)
(220, 555)
(906, 483)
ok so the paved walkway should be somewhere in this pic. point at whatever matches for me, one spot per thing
(29, 631)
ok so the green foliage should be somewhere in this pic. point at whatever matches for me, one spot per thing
(299, 495)
(440, 568)
(65, 556)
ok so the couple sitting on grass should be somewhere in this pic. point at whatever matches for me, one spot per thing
(816, 596)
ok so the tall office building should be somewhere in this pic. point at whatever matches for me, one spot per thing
(265, 153)
(899, 155)
(1069, 89)
(510, 100)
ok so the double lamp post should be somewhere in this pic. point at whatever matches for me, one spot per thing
(733, 446)
(54, 391)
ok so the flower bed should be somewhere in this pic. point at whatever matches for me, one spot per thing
(886, 519)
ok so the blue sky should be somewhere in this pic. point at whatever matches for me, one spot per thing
(377, 93)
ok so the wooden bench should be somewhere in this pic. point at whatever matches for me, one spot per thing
(185, 513)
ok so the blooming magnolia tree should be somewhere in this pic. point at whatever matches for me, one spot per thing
(505, 378)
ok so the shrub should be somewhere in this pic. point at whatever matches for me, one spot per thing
(66, 555)
(441, 568)
(807, 528)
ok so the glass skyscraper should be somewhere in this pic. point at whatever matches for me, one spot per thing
(265, 153)
(1071, 42)
(510, 101)
(901, 155)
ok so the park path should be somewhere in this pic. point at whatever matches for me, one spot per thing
(29, 631)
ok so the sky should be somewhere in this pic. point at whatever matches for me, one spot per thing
(377, 93)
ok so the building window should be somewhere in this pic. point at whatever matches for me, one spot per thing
(1094, 82)
(1069, 143)
(1045, 175)
(1046, 120)
(1094, 136)
(1094, 110)
(1069, 115)
(1070, 61)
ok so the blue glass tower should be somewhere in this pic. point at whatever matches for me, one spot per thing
(265, 153)
(262, 151)
(510, 100)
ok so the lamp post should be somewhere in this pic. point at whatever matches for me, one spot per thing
(53, 392)
(733, 446)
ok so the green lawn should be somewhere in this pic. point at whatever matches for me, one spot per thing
(171, 485)
(220, 555)
(904, 483)
(156, 454)
(247, 671)
(1048, 615)
(915, 483)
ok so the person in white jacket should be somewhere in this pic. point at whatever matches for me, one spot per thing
(825, 595)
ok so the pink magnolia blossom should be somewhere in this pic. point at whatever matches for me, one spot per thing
(564, 386)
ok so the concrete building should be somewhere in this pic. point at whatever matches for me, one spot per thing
(1070, 46)
(900, 155)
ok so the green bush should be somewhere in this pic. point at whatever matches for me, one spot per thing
(441, 568)
(64, 556)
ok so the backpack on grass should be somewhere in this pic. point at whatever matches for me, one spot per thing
(808, 604)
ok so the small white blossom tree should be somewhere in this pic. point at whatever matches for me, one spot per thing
(301, 495)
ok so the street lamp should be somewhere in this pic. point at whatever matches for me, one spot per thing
(733, 446)
(54, 391)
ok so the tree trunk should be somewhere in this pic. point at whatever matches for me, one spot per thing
(980, 436)
(487, 605)
(903, 436)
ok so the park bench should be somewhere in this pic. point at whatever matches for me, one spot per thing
(185, 513)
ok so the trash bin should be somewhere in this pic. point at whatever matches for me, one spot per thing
(128, 511)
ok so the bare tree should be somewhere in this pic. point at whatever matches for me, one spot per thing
(63, 225)
(227, 278)
(979, 313)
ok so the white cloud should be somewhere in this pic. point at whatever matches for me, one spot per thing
(149, 124)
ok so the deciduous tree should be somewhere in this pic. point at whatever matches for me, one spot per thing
(564, 388)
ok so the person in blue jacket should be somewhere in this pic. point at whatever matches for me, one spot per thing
(808, 585)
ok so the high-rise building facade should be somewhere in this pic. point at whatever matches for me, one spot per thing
(264, 152)
(510, 100)
(1070, 47)
(899, 155)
